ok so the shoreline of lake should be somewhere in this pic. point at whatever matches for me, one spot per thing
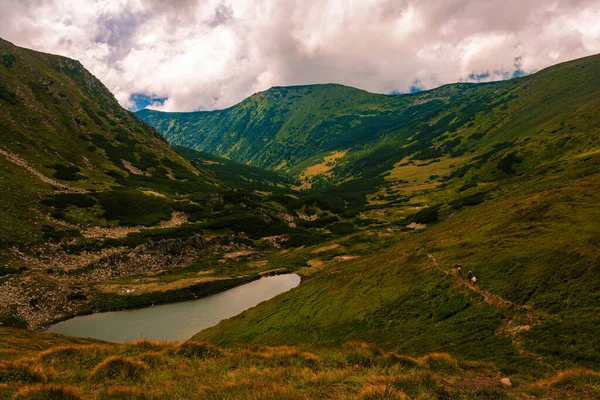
(160, 322)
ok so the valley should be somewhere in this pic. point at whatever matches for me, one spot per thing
(371, 200)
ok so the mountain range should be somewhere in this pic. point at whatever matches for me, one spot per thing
(374, 200)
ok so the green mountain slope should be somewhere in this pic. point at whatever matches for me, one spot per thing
(513, 199)
(508, 126)
(93, 198)
(61, 130)
(283, 126)
(238, 175)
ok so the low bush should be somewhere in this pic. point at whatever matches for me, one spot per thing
(132, 207)
(64, 200)
(66, 173)
(425, 215)
(506, 164)
(341, 228)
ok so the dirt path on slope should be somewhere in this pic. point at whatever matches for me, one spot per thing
(178, 218)
(15, 159)
(521, 318)
(490, 298)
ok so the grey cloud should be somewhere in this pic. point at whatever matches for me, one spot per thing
(206, 54)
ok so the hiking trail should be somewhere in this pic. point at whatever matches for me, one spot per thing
(521, 318)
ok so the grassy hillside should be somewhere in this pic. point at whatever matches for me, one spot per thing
(62, 130)
(502, 178)
(532, 244)
(94, 199)
(43, 366)
(350, 143)
(283, 126)
(514, 202)
(239, 175)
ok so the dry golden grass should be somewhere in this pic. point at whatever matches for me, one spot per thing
(118, 368)
(322, 168)
(124, 393)
(357, 370)
(48, 392)
(21, 371)
(153, 284)
(199, 350)
(325, 248)
(376, 392)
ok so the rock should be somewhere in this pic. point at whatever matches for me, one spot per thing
(506, 382)
(415, 226)
(214, 198)
(196, 241)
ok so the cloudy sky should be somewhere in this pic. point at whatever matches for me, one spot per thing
(210, 54)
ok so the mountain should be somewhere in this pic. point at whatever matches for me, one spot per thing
(348, 140)
(393, 194)
(93, 198)
(61, 130)
(504, 183)
(283, 126)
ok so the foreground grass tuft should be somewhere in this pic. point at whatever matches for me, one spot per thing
(123, 393)
(381, 392)
(118, 368)
(190, 370)
(24, 371)
(198, 350)
(48, 392)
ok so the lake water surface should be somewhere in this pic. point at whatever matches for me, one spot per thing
(176, 321)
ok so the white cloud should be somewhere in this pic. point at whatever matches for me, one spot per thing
(207, 54)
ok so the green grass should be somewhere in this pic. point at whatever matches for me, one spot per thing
(532, 244)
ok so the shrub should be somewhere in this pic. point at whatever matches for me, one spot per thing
(506, 164)
(118, 368)
(341, 228)
(23, 371)
(132, 207)
(64, 200)
(48, 392)
(203, 350)
(8, 60)
(67, 173)
(50, 233)
(426, 215)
